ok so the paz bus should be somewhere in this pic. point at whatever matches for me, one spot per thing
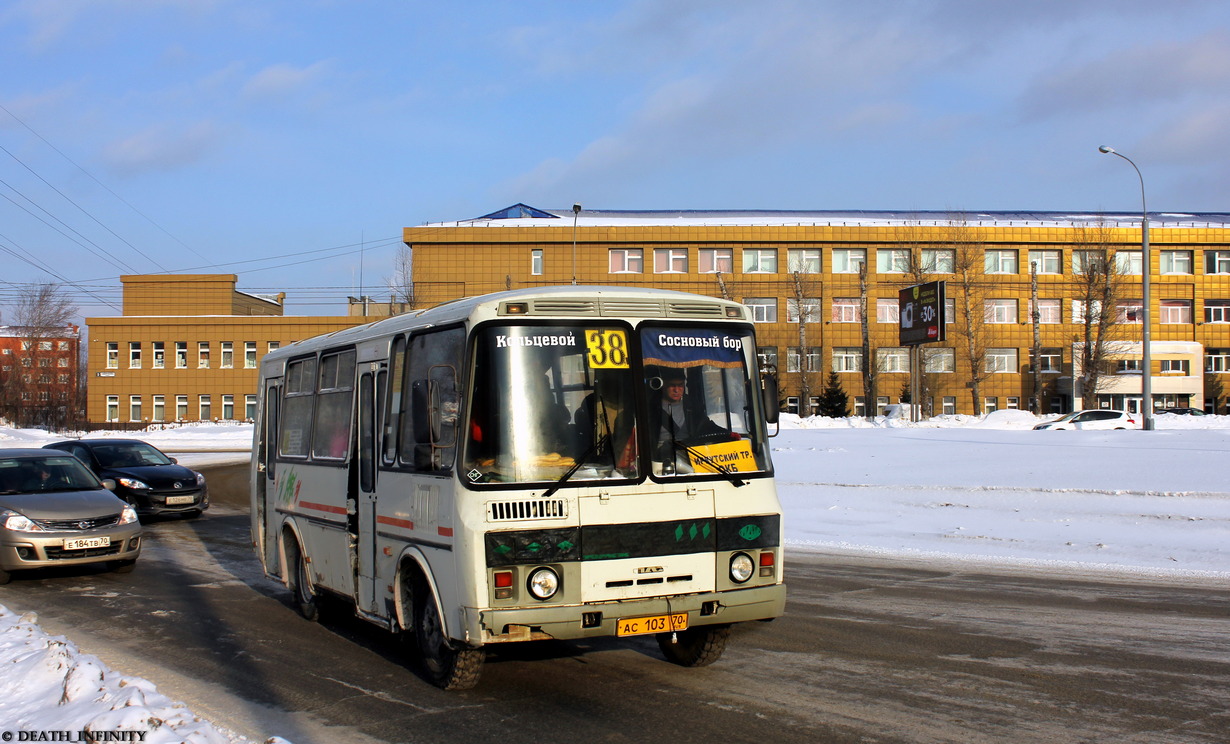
(548, 463)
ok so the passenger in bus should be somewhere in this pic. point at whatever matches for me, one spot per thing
(605, 424)
(679, 421)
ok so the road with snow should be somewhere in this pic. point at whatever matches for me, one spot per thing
(883, 650)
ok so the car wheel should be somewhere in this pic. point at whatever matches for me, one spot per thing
(446, 667)
(5, 576)
(300, 579)
(124, 566)
(696, 647)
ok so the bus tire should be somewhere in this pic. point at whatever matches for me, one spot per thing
(445, 666)
(300, 580)
(695, 647)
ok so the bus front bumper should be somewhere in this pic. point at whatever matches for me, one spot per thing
(563, 622)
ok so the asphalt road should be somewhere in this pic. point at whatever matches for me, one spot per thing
(869, 651)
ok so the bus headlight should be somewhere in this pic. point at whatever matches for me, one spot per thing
(741, 567)
(543, 583)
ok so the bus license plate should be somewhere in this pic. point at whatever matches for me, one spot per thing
(631, 626)
(85, 543)
(175, 500)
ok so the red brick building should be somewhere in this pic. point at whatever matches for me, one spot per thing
(40, 378)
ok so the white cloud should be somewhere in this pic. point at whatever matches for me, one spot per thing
(162, 147)
(283, 80)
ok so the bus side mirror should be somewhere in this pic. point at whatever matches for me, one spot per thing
(768, 397)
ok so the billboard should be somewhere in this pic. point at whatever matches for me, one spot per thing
(921, 313)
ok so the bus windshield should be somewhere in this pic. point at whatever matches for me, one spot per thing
(569, 404)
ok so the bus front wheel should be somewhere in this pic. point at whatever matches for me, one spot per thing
(300, 579)
(446, 667)
(695, 647)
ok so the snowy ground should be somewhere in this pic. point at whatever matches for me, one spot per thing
(956, 488)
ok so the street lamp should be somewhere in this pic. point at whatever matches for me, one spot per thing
(576, 212)
(1146, 357)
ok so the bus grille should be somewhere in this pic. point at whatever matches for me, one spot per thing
(564, 307)
(632, 308)
(510, 511)
(695, 310)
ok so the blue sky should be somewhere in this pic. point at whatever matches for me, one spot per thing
(289, 142)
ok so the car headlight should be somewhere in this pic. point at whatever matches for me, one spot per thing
(741, 567)
(200, 479)
(15, 522)
(543, 583)
(129, 515)
(132, 483)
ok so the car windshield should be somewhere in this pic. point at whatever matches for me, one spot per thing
(45, 475)
(129, 455)
(1067, 417)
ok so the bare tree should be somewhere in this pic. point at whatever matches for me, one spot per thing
(401, 283)
(969, 265)
(1100, 282)
(871, 365)
(805, 288)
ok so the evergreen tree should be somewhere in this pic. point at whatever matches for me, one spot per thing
(834, 402)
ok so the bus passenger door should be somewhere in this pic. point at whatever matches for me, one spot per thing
(368, 426)
(264, 480)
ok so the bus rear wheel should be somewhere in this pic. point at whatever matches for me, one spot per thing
(446, 667)
(300, 580)
(695, 647)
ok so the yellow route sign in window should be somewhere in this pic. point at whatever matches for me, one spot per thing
(608, 349)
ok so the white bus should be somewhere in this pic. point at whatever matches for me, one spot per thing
(560, 462)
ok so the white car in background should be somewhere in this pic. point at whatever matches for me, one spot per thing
(1102, 418)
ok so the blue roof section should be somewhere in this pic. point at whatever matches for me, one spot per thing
(517, 211)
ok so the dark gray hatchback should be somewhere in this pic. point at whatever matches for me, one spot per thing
(145, 477)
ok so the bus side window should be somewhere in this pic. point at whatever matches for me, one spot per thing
(397, 381)
(429, 423)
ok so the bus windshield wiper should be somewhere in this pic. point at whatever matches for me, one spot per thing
(576, 465)
(696, 454)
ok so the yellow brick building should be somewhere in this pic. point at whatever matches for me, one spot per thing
(187, 348)
(769, 260)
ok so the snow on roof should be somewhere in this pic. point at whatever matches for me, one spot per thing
(521, 215)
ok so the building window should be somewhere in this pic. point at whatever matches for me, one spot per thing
(1217, 311)
(1048, 311)
(810, 310)
(273, 346)
(249, 354)
(626, 261)
(1000, 261)
(939, 359)
(61, 362)
(1085, 261)
(228, 408)
(203, 405)
(950, 405)
(1175, 262)
(888, 310)
(1217, 360)
(1128, 262)
(767, 354)
(228, 355)
(881, 404)
(181, 407)
(1001, 361)
(848, 260)
(999, 311)
(62, 345)
(1217, 262)
(159, 411)
(249, 407)
(893, 359)
(1130, 312)
(113, 355)
(760, 261)
(1051, 360)
(859, 406)
(846, 310)
(1175, 367)
(536, 262)
(764, 309)
(670, 260)
(1014, 402)
(847, 359)
(892, 260)
(134, 408)
(792, 404)
(803, 260)
(113, 408)
(810, 361)
(202, 355)
(134, 355)
(938, 260)
(717, 260)
(181, 355)
(1046, 261)
(1176, 312)
(950, 310)
(990, 403)
(1078, 310)
(160, 355)
(1127, 366)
